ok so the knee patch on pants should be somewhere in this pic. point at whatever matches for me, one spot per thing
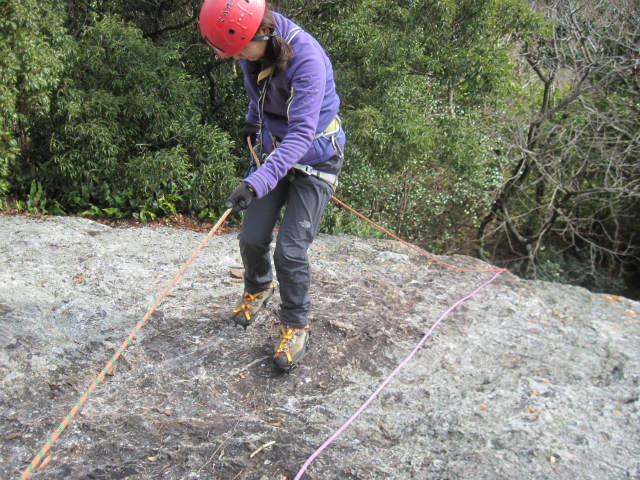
(289, 256)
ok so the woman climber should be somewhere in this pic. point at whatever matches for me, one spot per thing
(293, 117)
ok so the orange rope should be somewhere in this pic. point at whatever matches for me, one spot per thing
(85, 396)
(407, 244)
(253, 152)
(413, 247)
(100, 378)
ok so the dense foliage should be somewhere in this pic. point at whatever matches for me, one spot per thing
(420, 159)
(33, 52)
(502, 127)
(135, 141)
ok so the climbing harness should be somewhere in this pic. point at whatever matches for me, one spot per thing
(331, 133)
(330, 178)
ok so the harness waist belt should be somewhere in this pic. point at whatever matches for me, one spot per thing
(330, 178)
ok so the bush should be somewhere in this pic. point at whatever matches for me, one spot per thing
(32, 54)
(128, 135)
(422, 172)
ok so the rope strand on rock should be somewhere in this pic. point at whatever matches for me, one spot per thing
(42, 454)
(373, 396)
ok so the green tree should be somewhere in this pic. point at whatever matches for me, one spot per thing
(415, 78)
(32, 54)
(129, 135)
(175, 26)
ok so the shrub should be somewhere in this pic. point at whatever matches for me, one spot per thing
(129, 136)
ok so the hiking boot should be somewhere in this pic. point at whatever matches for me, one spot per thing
(292, 347)
(250, 305)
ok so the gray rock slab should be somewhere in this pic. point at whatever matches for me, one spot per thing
(527, 380)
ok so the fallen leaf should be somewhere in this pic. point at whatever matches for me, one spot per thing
(236, 273)
(268, 444)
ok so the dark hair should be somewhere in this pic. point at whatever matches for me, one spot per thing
(279, 53)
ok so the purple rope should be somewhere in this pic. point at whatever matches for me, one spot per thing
(388, 379)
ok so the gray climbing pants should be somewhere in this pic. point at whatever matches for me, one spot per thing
(305, 199)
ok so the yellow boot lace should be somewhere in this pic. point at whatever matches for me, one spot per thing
(247, 297)
(246, 305)
(287, 335)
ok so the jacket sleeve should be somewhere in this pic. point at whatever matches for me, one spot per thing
(308, 80)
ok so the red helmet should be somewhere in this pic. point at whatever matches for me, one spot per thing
(229, 25)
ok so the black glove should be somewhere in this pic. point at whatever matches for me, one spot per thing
(249, 130)
(240, 198)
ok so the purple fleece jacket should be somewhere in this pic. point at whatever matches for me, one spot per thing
(300, 103)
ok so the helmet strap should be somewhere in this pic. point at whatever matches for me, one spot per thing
(262, 38)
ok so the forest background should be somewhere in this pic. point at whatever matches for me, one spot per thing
(504, 129)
